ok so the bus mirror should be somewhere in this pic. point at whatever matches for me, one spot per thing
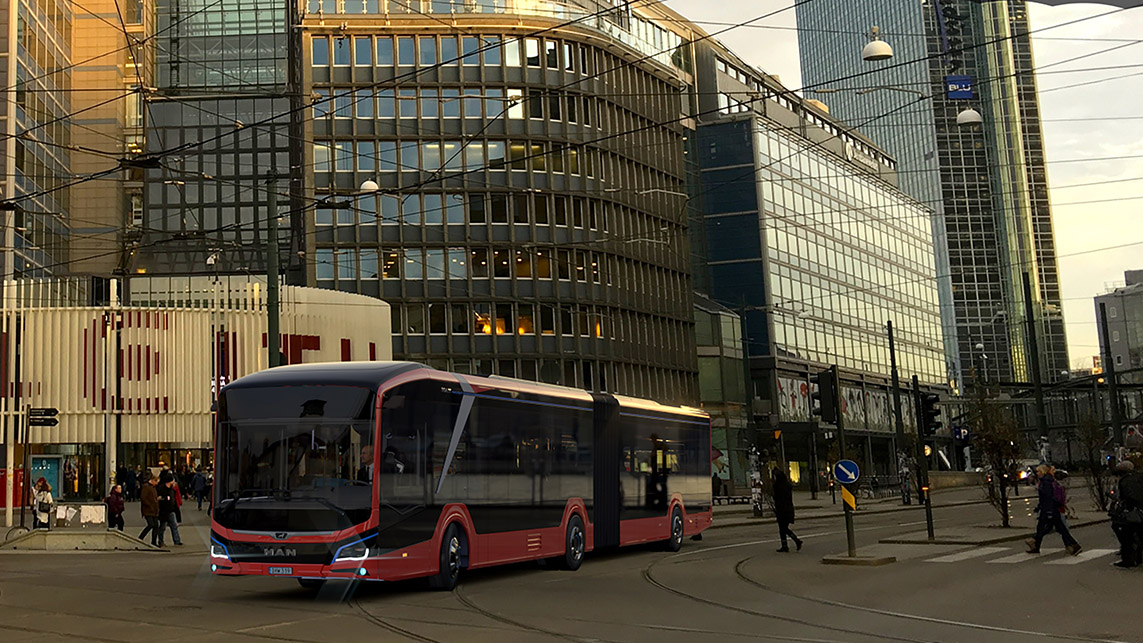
(393, 402)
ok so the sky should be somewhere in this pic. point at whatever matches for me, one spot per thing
(1094, 202)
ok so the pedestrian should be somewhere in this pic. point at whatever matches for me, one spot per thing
(1127, 515)
(114, 502)
(198, 486)
(784, 510)
(149, 506)
(132, 486)
(44, 504)
(167, 490)
(1052, 507)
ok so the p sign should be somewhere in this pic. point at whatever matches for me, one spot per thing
(959, 88)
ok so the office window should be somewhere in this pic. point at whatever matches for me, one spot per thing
(341, 51)
(406, 51)
(491, 46)
(448, 51)
(532, 52)
(384, 51)
(428, 48)
(470, 47)
(363, 52)
(320, 49)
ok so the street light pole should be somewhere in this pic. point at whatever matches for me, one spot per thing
(905, 498)
(272, 302)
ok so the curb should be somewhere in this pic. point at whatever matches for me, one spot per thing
(986, 541)
(750, 521)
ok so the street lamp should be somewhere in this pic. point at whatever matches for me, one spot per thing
(877, 49)
(969, 117)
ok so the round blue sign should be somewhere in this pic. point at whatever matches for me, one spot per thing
(846, 471)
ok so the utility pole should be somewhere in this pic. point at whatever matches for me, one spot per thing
(272, 304)
(1109, 375)
(905, 499)
(922, 429)
(850, 537)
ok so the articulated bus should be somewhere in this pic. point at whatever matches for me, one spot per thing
(394, 470)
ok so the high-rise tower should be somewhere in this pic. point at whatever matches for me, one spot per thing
(986, 183)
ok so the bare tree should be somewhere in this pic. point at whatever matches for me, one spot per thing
(996, 440)
(1093, 438)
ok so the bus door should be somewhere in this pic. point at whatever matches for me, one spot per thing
(607, 494)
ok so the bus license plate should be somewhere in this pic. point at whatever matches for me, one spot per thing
(286, 571)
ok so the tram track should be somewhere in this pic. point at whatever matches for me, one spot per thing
(650, 578)
(355, 603)
(1054, 636)
(500, 618)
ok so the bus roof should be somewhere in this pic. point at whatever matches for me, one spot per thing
(373, 375)
(367, 374)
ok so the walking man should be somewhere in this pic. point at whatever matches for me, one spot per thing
(784, 510)
(149, 506)
(198, 485)
(168, 509)
(1053, 504)
(1127, 515)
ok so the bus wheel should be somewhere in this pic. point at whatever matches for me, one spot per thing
(675, 541)
(311, 583)
(446, 578)
(575, 543)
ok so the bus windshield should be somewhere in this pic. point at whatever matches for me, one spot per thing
(294, 458)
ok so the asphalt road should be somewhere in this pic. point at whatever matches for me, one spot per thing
(730, 586)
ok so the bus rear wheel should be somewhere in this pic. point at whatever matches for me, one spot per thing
(675, 540)
(449, 573)
(575, 544)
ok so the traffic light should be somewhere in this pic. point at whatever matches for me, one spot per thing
(930, 413)
(823, 402)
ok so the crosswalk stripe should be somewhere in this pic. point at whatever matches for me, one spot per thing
(1084, 556)
(965, 555)
(1022, 557)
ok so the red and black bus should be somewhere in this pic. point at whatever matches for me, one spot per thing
(393, 470)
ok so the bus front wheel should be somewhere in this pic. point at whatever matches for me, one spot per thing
(311, 583)
(451, 548)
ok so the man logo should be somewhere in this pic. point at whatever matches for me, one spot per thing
(281, 535)
(279, 552)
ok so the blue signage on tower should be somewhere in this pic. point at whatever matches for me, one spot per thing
(959, 87)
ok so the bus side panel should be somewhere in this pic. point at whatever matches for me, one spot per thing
(527, 544)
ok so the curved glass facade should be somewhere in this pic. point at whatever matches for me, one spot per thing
(515, 232)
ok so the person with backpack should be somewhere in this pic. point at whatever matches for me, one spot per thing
(1053, 505)
(43, 504)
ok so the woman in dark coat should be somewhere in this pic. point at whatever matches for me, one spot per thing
(784, 509)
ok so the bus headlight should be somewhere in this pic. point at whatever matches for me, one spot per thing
(353, 551)
(218, 550)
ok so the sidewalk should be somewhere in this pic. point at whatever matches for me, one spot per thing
(823, 508)
(194, 530)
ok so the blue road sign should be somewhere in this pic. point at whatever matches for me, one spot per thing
(846, 471)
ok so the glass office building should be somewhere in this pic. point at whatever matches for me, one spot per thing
(35, 165)
(991, 187)
(809, 238)
(531, 214)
